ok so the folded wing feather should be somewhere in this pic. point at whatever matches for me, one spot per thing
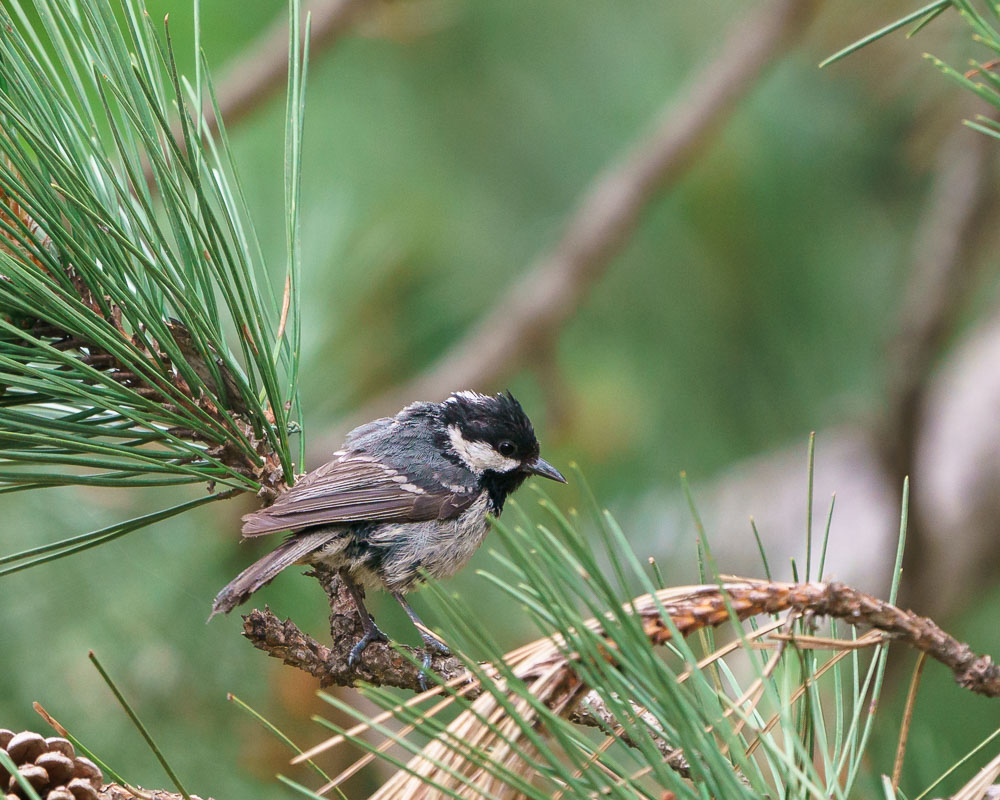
(354, 488)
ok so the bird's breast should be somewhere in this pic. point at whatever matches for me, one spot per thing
(439, 547)
(451, 545)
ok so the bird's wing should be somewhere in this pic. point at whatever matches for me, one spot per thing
(356, 488)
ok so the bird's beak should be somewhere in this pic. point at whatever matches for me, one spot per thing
(542, 467)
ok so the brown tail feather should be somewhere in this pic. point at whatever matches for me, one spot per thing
(263, 571)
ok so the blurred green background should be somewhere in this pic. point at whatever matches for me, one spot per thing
(447, 142)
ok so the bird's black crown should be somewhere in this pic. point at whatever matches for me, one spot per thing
(496, 420)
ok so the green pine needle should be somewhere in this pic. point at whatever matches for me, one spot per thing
(560, 576)
(141, 341)
(41, 554)
(280, 735)
(143, 731)
(981, 79)
(921, 16)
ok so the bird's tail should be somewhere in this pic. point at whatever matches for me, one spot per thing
(266, 569)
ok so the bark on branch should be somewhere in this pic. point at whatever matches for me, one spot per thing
(381, 664)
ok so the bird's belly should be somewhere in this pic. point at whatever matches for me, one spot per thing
(440, 547)
(351, 551)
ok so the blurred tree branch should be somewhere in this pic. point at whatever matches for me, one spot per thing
(939, 282)
(937, 424)
(940, 278)
(530, 315)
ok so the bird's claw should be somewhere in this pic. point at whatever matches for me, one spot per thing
(373, 634)
(424, 669)
(432, 645)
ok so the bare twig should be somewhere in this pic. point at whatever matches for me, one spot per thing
(380, 664)
(534, 309)
(594, 712)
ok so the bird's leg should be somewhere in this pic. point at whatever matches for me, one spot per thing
(371, 631)
(431, 642)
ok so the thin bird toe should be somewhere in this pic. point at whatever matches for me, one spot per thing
(424, 670)
(374, 635)
(432, 643)
(355, 655)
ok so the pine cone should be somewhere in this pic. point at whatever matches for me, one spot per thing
(50, 765)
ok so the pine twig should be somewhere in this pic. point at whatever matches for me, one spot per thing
(904, 729)
(977, 673)
(705, 607)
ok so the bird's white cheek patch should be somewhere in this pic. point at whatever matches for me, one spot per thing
(479, 456)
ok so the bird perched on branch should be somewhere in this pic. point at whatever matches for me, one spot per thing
(405, 495)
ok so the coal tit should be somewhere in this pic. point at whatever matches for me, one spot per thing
(405, 495)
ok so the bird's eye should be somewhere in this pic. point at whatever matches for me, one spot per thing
(506, 448)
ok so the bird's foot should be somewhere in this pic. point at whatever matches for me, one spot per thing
(372, 634)
(432, 645)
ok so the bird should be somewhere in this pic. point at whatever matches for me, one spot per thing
(404, 497)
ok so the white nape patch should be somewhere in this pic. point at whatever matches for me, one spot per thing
(468, 396)
(479, 456)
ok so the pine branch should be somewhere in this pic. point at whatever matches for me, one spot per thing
(705, 607)
(689, 610)
(141, 343)
(551, 670)
(152, 375)
(184, 395)
(380, 664)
